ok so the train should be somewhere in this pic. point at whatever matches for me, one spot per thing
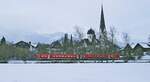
(77, 57)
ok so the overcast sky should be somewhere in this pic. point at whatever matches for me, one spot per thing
(18, 17)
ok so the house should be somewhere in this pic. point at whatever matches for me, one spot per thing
(127, 52)
(136, 50)
(23, 44)
(142, 47)
(146, 47)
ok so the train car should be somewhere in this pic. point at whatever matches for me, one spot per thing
(63, 56)
(114, 56)
(42, 56)
(57, 56)
(76, 57)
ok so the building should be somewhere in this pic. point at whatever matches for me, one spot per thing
(137, 50)
(27, 45)
(91, 44)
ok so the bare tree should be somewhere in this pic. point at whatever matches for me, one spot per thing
(79, 32)
(112, 39)
(126, 38)
(112, 34)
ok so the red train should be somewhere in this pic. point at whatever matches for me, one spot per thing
(114, 56)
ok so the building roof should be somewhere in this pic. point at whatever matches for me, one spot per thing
(91, 31)
(144, 45)
(55, 44)
(22, 44)
(133, 45)
(128, 46)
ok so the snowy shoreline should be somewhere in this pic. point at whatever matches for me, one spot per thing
(86, 72)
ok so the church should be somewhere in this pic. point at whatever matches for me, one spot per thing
(91, 44)
(102, 33)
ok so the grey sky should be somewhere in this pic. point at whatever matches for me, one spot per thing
(50, 16)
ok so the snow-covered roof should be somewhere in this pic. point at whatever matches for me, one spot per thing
(144, 45)
(34, 44)
(132, 45)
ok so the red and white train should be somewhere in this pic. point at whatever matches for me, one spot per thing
(114, 56)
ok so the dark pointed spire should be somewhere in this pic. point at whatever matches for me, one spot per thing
(71, 41)
(102, 21)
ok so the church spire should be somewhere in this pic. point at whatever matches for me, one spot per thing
(103, 32)
(102, 21)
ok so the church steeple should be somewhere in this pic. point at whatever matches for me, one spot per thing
(103, 32)
(102, 21)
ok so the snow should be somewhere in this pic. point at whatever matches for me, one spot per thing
(15, 62)
(146, 56)
(144, 45)
(129, 72)
(133, 45)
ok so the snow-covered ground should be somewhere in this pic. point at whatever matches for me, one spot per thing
(119, 72)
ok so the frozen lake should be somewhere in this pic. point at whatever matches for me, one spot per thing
(132, 72)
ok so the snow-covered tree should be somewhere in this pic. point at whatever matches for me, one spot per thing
(126, 38)
(79, 32)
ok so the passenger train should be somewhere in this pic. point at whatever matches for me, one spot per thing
(72, 58)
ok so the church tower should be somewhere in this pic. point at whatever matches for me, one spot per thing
(102, 24)
(102, 30)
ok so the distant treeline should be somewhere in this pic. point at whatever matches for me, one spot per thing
(20, 51)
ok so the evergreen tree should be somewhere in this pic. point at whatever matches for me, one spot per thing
(42, 48)
(71, 42)
(3, 41)
(66, 41)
